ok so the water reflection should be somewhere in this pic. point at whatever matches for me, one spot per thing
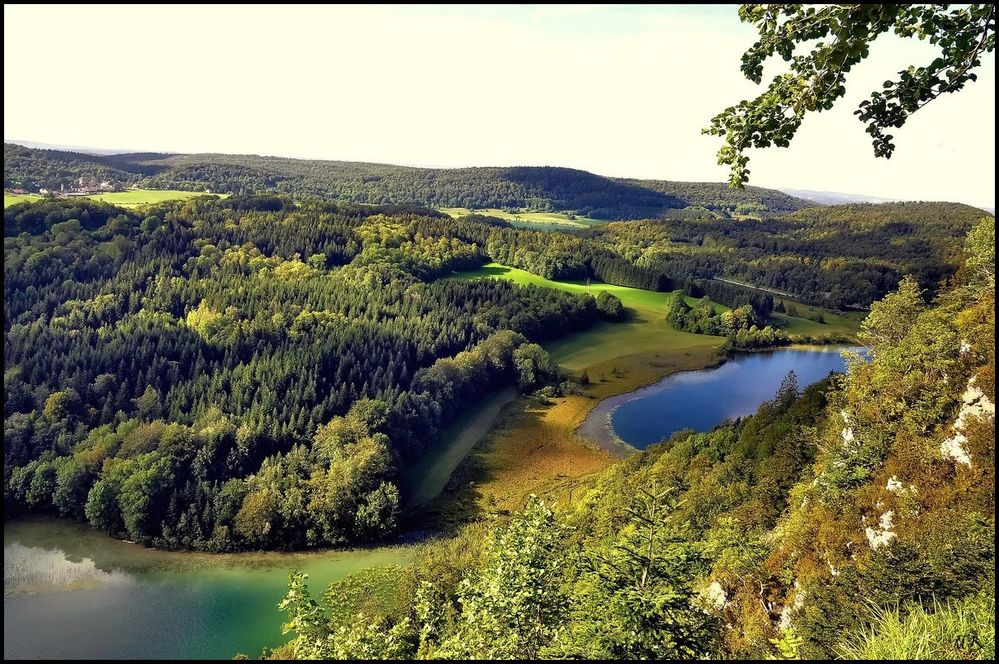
(30, 570)
(72, 592)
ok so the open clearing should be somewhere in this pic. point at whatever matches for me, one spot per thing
(13, 199)
(835, 324)
(129, 198)
(137, 197)
(526, 219)
(644, 332)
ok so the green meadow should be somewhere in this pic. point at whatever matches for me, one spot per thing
(129, 198)
(137, 197)
(645, 331)
(525, 219)
(13, 199)
(834, 324)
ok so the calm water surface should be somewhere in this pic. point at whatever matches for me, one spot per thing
(700, 400)
(70, 592)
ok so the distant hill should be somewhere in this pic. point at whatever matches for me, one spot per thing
(835, 197)
(838, 198)
(542, 188)
(718, 195)
(85, 149)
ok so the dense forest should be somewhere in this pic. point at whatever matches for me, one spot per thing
(853, 520)
(533, 188)
(836, 256)
(693, 233)
(252, 371)
(245, 372)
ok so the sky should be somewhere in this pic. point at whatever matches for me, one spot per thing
(616, 90)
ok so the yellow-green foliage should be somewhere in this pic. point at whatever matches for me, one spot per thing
(806, 321)
(12, 199)
(885, 497)
(528, 219)
(376, 592)
(735, 481)
(131, 198)
(139, 197)
(901, 502)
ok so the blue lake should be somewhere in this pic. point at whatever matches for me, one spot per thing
(701, 400)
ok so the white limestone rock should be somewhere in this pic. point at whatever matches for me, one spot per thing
(715, 595)
(974, 403)
(883, 533)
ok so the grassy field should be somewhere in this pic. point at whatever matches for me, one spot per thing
(646, 329)
(137, 197)
(12, 199)
(525, 219)
(644, 333)
(533, 447)
(533, 450)
(129, 198)
(834, 323)
(837, 324)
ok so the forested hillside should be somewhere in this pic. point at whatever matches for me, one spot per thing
(32, 169)
(836, 256)
(247, 372)
(534, 188)
(252, 371)
(854, 520)
(873, 494)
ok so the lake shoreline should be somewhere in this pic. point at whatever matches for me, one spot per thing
(598, 429)
(603, 438)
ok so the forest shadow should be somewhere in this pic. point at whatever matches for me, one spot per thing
(494, 271)
(599, 196)
(462, 501)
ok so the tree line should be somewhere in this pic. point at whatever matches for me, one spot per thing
(534, 188)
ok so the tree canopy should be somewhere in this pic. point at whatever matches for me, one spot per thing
(816, 79)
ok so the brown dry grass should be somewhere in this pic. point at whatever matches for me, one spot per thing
(534, 449)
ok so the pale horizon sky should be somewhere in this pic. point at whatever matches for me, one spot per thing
(619, 91)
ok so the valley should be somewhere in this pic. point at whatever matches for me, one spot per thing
(499, 332)
(372, 394)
